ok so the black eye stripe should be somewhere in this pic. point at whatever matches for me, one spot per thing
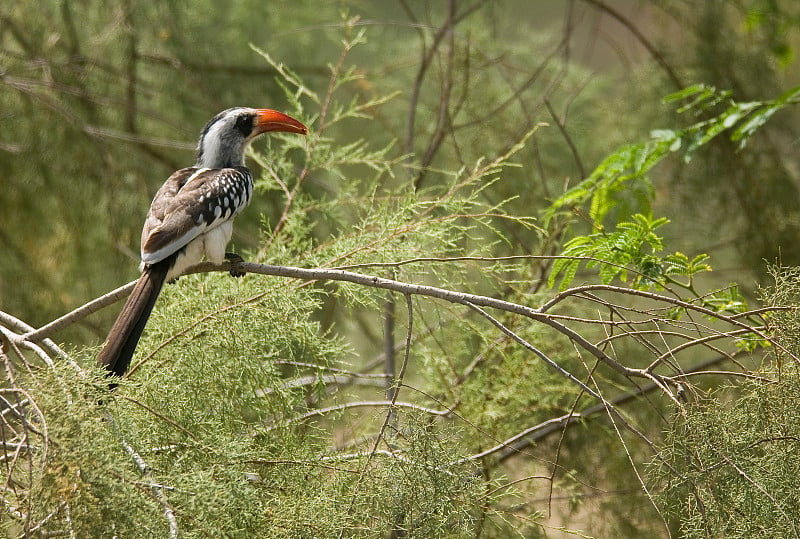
(244, 124)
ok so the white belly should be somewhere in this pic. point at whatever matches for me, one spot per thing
(211, 245)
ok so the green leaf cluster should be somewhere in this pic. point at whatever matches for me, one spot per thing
(633, 248)
(622, 181)
(740, 119)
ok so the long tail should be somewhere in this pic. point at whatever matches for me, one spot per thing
(124, 334)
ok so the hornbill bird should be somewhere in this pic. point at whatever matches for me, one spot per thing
(192, 216)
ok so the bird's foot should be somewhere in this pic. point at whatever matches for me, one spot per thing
(235, 260)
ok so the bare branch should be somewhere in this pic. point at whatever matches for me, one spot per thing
(561, 123)
(157, 489)
(605, 8)
(79, 313)
(518, 443)
(359, 404)
(427, 58)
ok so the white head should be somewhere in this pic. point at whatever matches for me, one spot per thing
(225, 137)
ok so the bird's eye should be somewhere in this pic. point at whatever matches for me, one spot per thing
(244, 124)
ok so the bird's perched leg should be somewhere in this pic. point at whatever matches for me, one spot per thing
(235, 260)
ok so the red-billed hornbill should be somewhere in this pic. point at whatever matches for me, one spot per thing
(192, 216)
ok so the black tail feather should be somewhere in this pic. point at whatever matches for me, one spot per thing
(125, 333)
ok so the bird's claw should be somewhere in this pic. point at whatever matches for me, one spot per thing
(235, 260)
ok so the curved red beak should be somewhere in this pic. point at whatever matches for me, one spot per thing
(272, 120)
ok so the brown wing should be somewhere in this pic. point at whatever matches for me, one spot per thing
(190, 202)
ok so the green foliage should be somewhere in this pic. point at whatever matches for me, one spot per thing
(633, 247)
(632, 254)
(741, 119)
(728, 466)
(730, 469)
(206, 440)
(621, 181)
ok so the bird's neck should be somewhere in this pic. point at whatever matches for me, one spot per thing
(217, 157)
(218, 149)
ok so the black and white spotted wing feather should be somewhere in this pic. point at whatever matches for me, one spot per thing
(192, 202)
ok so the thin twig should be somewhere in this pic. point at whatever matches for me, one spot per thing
(425, 62)
(642, 39)
(443, 117)
(358, 404)
(689, 306)
(536, 351)
(561, 123)
(158, 490)
(317, 135)
(391, 405)
(518, 443)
